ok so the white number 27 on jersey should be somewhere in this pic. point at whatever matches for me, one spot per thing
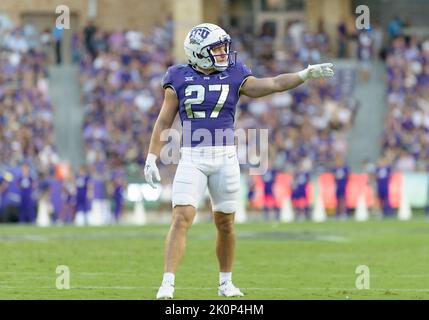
(200, 90)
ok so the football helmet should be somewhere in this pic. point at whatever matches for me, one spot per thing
(199, 43)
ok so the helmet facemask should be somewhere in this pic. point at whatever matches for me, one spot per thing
(230, 56)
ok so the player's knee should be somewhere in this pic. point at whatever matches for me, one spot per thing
(182, 218)
(180, 222)
(225, 225)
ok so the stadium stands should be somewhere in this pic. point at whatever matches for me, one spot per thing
(120, 75)
(122, 93)
(405, 138)
(26, 120)
(26, 129)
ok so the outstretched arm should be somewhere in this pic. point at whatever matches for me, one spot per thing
(260, 87)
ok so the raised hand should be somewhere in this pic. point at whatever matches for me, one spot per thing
(317, 71)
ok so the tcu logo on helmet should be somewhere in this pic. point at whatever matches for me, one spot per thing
(198, 35)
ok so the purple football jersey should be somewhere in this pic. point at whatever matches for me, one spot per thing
(341, 176)
(383, 175)
(206, 102)
(269, 178)
(56, 187)
(82, 182)
(99, 185)
(26, 186)
(299, 184)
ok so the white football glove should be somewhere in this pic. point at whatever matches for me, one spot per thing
(151, 172)
(317, 71)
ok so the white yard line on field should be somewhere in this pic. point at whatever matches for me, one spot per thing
(215, 288)
(128, 274)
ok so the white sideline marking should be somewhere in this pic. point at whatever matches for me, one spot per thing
(215, 288)
(126, 274)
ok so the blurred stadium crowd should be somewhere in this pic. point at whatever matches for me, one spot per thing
(406, 129)
(120, 76)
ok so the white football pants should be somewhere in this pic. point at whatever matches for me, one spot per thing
(214, 167)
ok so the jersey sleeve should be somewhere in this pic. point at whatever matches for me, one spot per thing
(244, 72)
(167, 80)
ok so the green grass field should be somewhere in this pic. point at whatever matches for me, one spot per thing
(273, 261)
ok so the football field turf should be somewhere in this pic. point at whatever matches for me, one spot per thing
(273, 261)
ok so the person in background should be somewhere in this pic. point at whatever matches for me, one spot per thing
(365, 53)
(11, 196)
(118, 197)
(82, 203)
(427, 199)
(57, 35)
(377, 40)
(46, 42)
(55, 195)
(26, 186)
(252, 189)
(100, 204)
(269, 179)
(68, 212)
(342, 40)
(44, 205)
(3, 186)
(4, 183)
(76, 48)
(395, 27)
(301, 178)
(341, 172)
(383, 173)
(30, 34)
(89, 32)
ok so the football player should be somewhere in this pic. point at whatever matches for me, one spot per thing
(383, 175)
(82, 203)
(341, 173)
(205, 92)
